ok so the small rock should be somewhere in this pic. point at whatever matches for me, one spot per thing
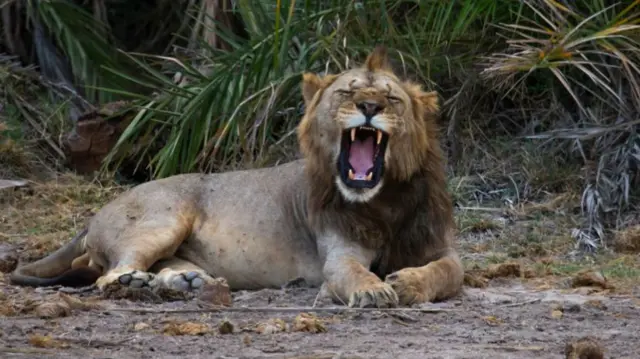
(572, 308)
(246, 340)
(8, 258)
(557, 306)
(225, 327)
(556, 314)
(141, 326)
(216, 293)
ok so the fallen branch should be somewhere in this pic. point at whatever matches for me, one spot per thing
(25, 351)
(482, 209)
(277, 310)
(518, 304)
(509, 348)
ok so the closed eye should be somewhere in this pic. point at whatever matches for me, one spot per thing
(344, 92)
(394, 99)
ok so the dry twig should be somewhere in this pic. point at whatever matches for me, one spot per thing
(519, 304)
(278, 310)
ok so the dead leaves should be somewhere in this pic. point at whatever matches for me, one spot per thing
(8, 258)
(306, 322)
(503, 270)
(474, 280)
(225, 327)
(303, 322)
(590, 278)
(595, 303)
(492, 321)
(50, 310)
(151, 295)
(480, 277)
(185, 328)
(57, 306)
(138, 327)
(627, 240)
(77, 304)
(63, 306)
(271, 326)
(46, 341)
(557, 314)
(10, 307)
(584, 348)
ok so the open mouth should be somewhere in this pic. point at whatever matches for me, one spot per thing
(361, 160)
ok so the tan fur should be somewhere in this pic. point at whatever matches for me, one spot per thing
(384, 246)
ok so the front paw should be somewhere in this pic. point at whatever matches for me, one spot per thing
(374, 295)
(410, 285)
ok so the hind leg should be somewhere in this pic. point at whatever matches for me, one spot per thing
(179, 274)
(129, 258)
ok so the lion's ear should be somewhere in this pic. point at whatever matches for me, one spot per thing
(430, 101)
(378, 59)
(312, 83)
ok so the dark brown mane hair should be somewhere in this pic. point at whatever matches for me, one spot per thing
(410, 220)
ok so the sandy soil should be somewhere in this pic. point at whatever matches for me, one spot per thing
(504, 320)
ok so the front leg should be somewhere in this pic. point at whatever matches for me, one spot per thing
(437, 280)
(347, 276)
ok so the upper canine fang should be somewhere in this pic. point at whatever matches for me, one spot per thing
(353, 134)
(379, 139)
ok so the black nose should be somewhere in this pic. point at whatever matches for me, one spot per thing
(369, 108)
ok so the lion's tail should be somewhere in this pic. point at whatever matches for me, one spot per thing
(55, 269)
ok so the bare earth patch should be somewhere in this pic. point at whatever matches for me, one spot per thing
(528, 295)
(496, 322)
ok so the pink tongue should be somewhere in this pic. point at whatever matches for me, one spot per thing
(361, 157)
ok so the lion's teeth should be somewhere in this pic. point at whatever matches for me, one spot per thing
(351, 174)
(369, 176)
(379, 137)
(353, 134)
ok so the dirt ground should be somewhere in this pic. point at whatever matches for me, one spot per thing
(501, 321)
(521, 300)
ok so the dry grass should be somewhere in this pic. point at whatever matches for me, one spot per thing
(627, 240)
(14, 160)
(44, 215)
(533, 243)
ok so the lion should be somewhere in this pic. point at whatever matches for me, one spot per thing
(364, 214)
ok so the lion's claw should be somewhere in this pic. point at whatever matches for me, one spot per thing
(379, 296)
(409, 285)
